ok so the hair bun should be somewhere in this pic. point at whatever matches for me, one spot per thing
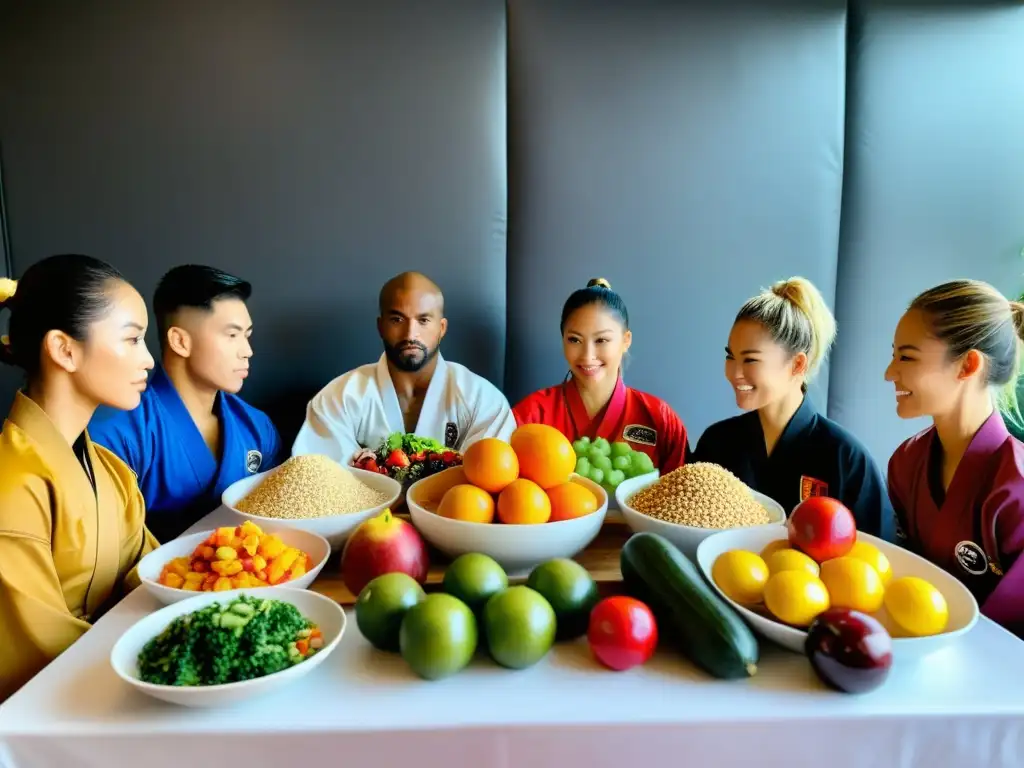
(1017, 312)
(599, 282)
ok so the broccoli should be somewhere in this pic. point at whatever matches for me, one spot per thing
(246, 639)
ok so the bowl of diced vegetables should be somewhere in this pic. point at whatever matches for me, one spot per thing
(231, 558)
(214, 649)
(611, 464)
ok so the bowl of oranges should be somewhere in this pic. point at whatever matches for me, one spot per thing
(233, 558)
(520, 502)
(780, 579)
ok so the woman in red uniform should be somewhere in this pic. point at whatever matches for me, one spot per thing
(958, 486)
(594, 401)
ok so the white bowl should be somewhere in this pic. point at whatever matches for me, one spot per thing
(335, 528)
(153, 563)
(322, 611)
(613, 499)
(963, 608)
(686, 538)
(517, 548)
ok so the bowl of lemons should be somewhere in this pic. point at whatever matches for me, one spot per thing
(779, 590)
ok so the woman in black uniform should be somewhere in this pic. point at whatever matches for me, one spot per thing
(781, 446)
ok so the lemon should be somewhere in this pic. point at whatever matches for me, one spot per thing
(791, 560)
(917, 607)
(871, 555)
(795, 597)
(774, 547)
(853, 584)
(741, 575)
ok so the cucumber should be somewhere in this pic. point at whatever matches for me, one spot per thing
(708, 630)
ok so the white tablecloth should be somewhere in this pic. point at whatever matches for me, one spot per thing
(963, 706)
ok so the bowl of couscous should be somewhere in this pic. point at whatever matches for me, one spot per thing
(693, 502)
(313, 493)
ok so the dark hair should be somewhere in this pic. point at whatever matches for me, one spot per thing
(68, 293)
(598, 291)
(195, 286)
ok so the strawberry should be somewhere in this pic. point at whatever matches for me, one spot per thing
(449, 457)
(370, 465)
(397, 459)
(418, 457)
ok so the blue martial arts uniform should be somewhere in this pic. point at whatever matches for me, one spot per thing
(180, 478)
(814, 456)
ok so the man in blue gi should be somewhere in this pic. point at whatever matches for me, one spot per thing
(192, 436)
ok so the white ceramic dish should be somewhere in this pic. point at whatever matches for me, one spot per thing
(336, 528)
(322, 611)
(963, 609)
(152, 564)
(518, 548)
(686, 538)
(613, 499)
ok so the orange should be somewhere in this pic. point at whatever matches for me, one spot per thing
(523, 502)
(468, 503)
(570, 500)
(490, 464)
(545, 455)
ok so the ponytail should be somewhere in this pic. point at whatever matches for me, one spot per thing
(796, 316)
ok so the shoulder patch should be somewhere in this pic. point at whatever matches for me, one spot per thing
(971, 558)
(451, 435)
(811, 486)
(638, 433)
(253, 461)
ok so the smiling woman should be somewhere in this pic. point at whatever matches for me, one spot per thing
(781, 446)
(71, 515)
(958, 487)
(594, 401)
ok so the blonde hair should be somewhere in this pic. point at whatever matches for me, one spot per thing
(794, 312)
(971, 314)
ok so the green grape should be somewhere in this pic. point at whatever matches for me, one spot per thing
(622, 463)
(597, 475)
(601, 446)
(621, 449)
(583, 466)
(643, 463)
(581, 446)
(614, 477)
(601, 462)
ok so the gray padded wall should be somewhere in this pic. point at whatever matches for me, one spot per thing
(315, 148)
(690, 155)
(934, 182)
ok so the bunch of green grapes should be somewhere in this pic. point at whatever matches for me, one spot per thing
(608, 464)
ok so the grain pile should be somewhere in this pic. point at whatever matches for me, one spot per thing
(310, 486)
(700, 495)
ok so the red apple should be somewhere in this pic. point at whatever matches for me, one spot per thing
(822, 528)
(383, 544)
(849, 650)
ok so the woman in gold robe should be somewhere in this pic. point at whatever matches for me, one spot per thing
(72, 519)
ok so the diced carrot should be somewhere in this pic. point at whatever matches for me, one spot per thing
(302, 646)
(315, 632)
(207, 553)
(201, 566)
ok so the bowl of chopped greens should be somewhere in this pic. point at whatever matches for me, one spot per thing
(214, 650)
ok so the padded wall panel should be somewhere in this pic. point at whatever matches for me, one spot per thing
(691, 153)
(316, 148)
(934, 182)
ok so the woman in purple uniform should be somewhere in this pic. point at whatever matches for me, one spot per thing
(958, 487)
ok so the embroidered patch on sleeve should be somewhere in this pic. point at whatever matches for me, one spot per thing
(640, 434)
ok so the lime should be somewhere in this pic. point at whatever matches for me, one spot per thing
(474, 578)
(520, 627)
(382, 604)
(570, 590)
(438, 636)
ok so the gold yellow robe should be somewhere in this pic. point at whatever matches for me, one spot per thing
(67, 551)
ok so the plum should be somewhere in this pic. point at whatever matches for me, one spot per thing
(849, 650)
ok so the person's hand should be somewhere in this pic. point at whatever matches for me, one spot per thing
(362, 455)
